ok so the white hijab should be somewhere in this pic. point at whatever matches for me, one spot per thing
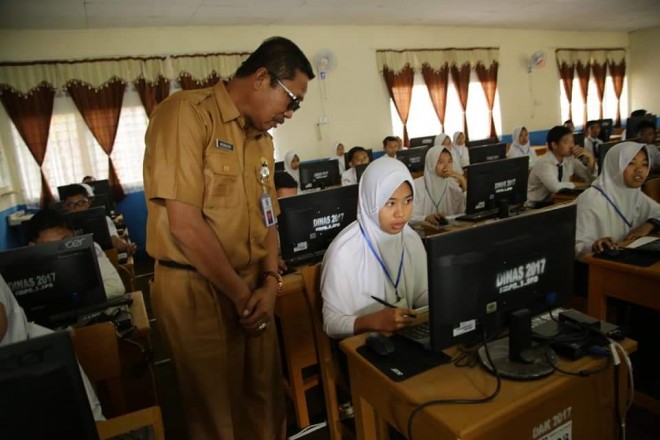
(455, 138)
(436, 186)
(288, 158)
(597, 216)
(351, 270)
(455, 154)
(340, 158)
(525, 149)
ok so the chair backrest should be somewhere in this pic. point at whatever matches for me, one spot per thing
(126, 277)
(149, 418)
(652, 188)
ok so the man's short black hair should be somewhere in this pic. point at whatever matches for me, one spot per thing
(556, 133)
(568, 121)
(639, 112)
(645, 124)
(280, 57)
(74, 190)
(352, 151)
(594, 122)
(44, 220)
(284, 180)
(389, 139)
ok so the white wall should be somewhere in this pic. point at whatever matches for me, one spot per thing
(357, 100)
(644, 70)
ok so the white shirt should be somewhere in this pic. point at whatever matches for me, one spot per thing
(112, 229)
(349, 177)
(351, 271)
(597, 216)
(112, 282)
(19, 329)
(589, 145)
(544, 176)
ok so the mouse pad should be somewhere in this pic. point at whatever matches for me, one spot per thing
(407, 360)
(628, 256)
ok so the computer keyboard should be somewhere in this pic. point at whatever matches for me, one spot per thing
(88, 313)
(419, 333)
(478, 216)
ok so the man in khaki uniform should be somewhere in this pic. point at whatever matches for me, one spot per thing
(208, 182)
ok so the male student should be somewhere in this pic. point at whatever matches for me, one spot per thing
(591, 142)
(77, 200)
(552, 172)
(48, 225)
(391, 146)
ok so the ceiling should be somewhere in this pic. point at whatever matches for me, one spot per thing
(587, 15)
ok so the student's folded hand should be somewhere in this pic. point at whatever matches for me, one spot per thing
(603, 244)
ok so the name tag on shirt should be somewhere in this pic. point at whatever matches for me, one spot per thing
(219, 143)
(267, 210)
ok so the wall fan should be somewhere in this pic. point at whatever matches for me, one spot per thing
(536, 61)
(325, 61)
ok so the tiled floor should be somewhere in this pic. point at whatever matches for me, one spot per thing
(641, 424)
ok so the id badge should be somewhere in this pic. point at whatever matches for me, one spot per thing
(267, 210)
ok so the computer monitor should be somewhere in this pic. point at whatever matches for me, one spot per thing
(309, 222)
(485, 153)
(482, 279)
(489, 184)
(578, 139)
(606, 127)
(425, 141)
(413, 158)
(43, 395)
(359, 170)
(602, 151)
(633, 122)
(100, 187)
(481, 142)
(91, 221)
(51, 278)
(319, 174)
(279, 166)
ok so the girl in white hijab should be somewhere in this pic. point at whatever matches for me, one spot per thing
(440, 191)
(445, 141)
(614, 209)
(339, 155)
(520, 146)
(460, 149)
(291, 163)
(378, 255)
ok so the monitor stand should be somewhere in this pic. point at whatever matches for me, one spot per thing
(515, 357)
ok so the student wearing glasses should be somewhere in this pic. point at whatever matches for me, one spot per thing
(211, 201)
(77, 200)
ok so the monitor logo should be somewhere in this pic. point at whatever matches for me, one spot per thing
(22, 360)
(396, 371)
(71, 244)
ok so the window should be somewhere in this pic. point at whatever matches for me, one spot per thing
(423, 120)
(73, 152)
(593, 109)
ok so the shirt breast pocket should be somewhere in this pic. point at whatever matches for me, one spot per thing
(222, 181)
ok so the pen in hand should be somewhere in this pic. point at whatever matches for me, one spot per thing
(392, 306)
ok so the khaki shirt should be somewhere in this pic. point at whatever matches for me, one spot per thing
(199, 151)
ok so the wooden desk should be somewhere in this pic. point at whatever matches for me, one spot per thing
(521, 411)
(637, 285)
(298, 346)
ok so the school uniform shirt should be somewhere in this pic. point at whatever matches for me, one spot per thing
(112, 282)
(461, 151)
(518, 150)
(609, 208)
(112, 229)
(349, 177)
(592, 145)
(288, 158)
(352, 270)
(19, 330)
(544, 176)
(434, 193)
(654, 157)
(455, 155)
(341, 163)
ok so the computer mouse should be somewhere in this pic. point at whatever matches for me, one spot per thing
(614, 252)
(380, 344)
(442, 221)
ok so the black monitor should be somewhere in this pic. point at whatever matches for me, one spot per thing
(578, 139)
(91, 221)
(413, 158)
(55, 277)
(43, 395)
(602, 151)
(309, 222)
(489, 184)
(359, 170)
(279, 166)
(633, 122)
(100, 187)
(606, 127)
(485, 153)
(484, 278)
(319, 174)
(481, 142)
(426, 141)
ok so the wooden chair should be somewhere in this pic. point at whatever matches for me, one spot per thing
(331, 374)
(652, 188)
(126, 277)
(148, 417)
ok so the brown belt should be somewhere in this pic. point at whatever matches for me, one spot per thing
(175, 265)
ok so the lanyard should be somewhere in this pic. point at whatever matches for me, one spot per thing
(616, 208)
(382, 264)
(525, 152)
(442, 196)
